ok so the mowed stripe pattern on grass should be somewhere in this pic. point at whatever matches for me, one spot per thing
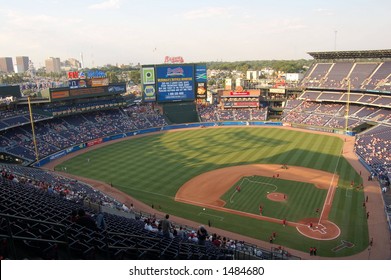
(153, 168)
(162, 163)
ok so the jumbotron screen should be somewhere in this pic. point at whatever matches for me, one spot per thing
(173, 82)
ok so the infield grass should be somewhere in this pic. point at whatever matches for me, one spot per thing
(302, 199)
(154, 167)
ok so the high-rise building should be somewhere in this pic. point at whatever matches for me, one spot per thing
(6, 65)
(72, 63)
(22, 63)
(53, 65)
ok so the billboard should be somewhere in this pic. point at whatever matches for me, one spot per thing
(60, 94)
(77, 83)
(175, 83)
(201, 81)
(149, 93)
(97, 82)
(148, 76)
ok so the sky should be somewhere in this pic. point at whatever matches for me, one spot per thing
(145, 31)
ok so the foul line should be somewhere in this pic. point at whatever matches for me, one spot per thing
(219, 217)
(330, 192)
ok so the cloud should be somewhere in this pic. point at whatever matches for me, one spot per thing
(109, 4)
(324, 12)
(211, 12)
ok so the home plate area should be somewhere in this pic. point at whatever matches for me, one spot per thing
(323, 230)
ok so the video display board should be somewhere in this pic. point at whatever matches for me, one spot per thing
(175, 83)
(201, 81)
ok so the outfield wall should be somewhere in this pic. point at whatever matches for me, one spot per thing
(98, 141)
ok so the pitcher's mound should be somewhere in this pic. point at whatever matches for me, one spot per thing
(276, 196)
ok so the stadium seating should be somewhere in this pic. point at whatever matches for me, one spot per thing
(35, 223)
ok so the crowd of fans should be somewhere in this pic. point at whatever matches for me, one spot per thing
(56, 134)
(374, 147)
(332, 115)
(54, 184)
(213, 113)
(77, 192)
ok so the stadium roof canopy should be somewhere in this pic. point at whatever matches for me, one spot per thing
(352, 54)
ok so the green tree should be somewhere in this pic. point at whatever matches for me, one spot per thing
(135, 76)
(112, 77)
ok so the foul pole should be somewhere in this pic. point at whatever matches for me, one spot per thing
(347, 108)
(32, 129)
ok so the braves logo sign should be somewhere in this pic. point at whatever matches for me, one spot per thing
(178, 71)
(173, 59)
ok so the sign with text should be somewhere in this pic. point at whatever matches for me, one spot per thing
(239, 93)
(149, 93)
(173, 59)
(200, 73)
(148, 76)
(175, 83)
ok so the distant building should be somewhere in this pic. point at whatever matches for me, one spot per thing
(6, 65)
(253, 75)
(53, 65)
(22, 63)
(72, 63)
(293, 77)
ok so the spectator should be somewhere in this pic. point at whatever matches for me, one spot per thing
(202, 234)
(166, 227)
(85, 220)
(100, 221)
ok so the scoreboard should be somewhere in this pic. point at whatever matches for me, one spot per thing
(173, 82)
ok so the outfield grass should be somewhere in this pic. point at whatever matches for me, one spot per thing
(153, 168)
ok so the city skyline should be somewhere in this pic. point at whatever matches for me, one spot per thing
(124, 32)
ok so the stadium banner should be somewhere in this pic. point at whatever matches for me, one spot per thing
(149, 93)
(277, 90)
(175, 83)
(240, 93)
(75, 148)
(201, 90)
(98, 82)
(116, 89)
(59, 94)
(200, 73)
(94, 142)
(42, 162)
(252, 104)
(88, 91)
(57, 155)
(77, 84)
(148, 76)
(114, 137)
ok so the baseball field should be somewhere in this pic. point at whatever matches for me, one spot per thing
(285, 177)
